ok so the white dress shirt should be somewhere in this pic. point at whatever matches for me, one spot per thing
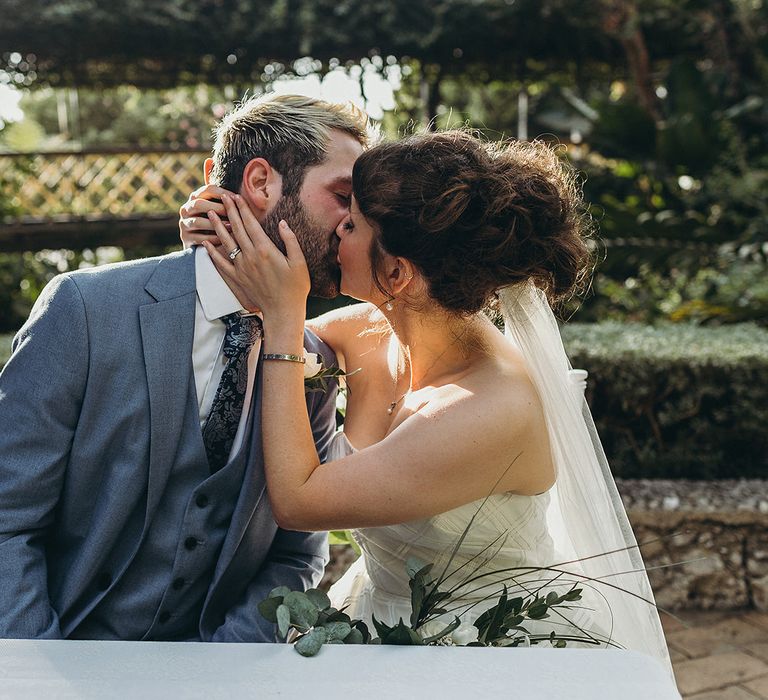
(214, 300)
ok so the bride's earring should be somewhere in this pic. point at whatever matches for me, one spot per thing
(388, 306)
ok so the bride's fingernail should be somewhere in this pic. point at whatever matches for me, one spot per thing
(282, 223)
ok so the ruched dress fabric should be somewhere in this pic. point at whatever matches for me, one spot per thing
(509, 531)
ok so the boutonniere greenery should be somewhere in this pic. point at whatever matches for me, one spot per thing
(317, 376)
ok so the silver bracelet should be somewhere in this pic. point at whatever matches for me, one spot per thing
(283, 356)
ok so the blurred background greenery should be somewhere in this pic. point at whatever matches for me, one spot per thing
(661, 104)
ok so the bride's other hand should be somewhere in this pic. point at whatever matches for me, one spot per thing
(194, 224)
(260, 276)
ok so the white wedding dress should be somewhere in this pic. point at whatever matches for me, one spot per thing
(508, 531)
(578, 528)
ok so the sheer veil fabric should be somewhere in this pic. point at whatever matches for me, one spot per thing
(585, 516)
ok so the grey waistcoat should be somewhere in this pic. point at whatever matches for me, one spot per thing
(160, 596)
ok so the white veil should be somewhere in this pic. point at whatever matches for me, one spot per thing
(586, 516)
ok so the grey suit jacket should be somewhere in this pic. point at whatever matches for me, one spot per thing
(91, 402)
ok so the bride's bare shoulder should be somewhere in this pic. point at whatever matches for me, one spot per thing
(348, 326)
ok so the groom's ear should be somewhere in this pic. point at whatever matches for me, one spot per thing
(262, 185)
(207, 167)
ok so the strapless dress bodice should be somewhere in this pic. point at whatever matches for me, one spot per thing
(506, 531)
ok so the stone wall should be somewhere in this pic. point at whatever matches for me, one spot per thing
(711, 541)
(705, 543)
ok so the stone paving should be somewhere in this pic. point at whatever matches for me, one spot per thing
(719, 655)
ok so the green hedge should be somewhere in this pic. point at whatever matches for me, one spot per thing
(671, 401)
(677, 401)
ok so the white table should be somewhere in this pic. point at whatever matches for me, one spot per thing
(43, 670)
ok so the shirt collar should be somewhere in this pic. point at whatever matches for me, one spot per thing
(216, 299)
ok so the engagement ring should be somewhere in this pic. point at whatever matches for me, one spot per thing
(234, 253)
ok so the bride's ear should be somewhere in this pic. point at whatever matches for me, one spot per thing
(401, 272)
(262, 185)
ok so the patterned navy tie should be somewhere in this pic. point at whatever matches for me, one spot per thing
(221, 426)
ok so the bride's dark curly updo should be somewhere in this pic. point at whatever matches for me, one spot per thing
(474, 216)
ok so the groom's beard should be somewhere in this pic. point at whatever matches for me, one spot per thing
(319, 248)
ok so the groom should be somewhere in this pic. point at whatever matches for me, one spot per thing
(132, 492)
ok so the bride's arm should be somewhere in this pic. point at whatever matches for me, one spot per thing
(459, 448)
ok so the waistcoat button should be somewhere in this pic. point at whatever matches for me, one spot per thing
(190, 543)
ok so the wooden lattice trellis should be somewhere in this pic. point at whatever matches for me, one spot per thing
(107, 184)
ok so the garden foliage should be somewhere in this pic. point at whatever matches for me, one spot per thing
(677, 401)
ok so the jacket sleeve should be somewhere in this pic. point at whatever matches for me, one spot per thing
(41, 390)
(296, 559)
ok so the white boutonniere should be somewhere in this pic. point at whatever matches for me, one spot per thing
(312, 365)
(316, 376)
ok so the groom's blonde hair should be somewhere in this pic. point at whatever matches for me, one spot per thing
(290, 132)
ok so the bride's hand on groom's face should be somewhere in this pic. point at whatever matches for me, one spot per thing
(194, 224)
(259, 275)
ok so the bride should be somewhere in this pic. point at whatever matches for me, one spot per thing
(449, 423)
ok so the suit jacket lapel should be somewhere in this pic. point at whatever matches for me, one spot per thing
(167, 332)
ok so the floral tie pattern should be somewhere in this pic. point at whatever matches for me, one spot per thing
(221, 426)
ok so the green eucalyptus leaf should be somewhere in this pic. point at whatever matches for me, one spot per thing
(513, 620)
(311, 642)
(304, 613)
(355, 636)
(279, 592)
(337, 631)
(361, 627)
(413, 566)
(552, 598)
(575, 594)
(268, 608)
(322, 618)
(334, 615)
(320, 599)
(492, 628)
(382, 629)
(283, 620)
(401, 634)
(538, 611)
(417, 599)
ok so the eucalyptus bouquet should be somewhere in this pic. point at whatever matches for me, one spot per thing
(309, 618)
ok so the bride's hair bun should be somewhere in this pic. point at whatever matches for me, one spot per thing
(475, 216)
